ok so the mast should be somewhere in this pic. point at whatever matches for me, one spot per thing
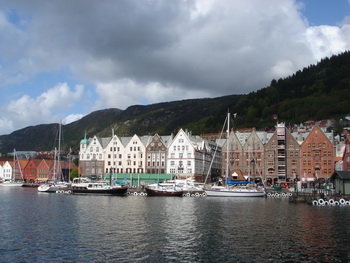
(228, 146)
(59, 151)
(113, 165)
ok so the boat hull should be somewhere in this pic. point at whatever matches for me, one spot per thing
(163, 192)
(234, 193)
(101, 191)
(11, 184)
(45, 188)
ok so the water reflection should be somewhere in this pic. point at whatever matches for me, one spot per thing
(38, 227)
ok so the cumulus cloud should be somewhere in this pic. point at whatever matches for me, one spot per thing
(45, 108)
(131, 52)
(126, 92)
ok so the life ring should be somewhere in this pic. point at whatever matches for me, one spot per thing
(58, 191)
(283, 195)
(342, 201)
(321, 201)
(135, 193)
(268, 194)
(331, 202)
(196, 194)
(314, 202)
(204, 194)
(326, 203)
(347, 202)
(290, 194)
(183, 194)
(69, 192)
(278, 195)
(188, 194)
(336, 203)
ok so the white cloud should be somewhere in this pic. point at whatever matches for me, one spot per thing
(126, 92)
(327, 40)
(45, 108)
(72, 118)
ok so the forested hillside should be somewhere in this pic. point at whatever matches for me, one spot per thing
(317, 92)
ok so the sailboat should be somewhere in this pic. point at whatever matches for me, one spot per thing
(232, 188)
(54, 185)
(13, 181)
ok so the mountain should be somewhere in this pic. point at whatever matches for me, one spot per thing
(317, 92)
(201, 115)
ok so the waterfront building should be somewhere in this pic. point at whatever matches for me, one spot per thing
(346, 155)
(45, 170)
(253, 157)
(135, 154)
(282, 156)
(276, 156)
(317, 155)
(192, 157)
(6, 170)
(114, 154)
(91, 161)
(156, 154)
(30, 170)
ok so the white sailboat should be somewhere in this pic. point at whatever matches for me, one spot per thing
(13, 181)
(235, 189)
(55, 184)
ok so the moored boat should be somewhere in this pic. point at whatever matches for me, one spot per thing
(235, 191)
(164, 190)
(85, 186)
(234, 188)
(48, 188)
(11, 183)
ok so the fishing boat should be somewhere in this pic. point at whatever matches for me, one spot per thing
(164, 190)
(82, 185)
(232, 188)
(13, 181)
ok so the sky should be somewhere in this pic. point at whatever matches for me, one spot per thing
(63, 59)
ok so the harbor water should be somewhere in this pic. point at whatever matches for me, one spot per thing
(42, 227)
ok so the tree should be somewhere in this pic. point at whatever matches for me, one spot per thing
(74, 174)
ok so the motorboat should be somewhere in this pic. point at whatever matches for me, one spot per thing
(83, 185)
(48, 188)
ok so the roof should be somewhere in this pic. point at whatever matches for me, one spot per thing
(344, 175)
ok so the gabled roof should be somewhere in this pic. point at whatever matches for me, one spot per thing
(125, 140)
(105, 141)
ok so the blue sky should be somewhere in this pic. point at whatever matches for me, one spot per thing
(61, 60)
